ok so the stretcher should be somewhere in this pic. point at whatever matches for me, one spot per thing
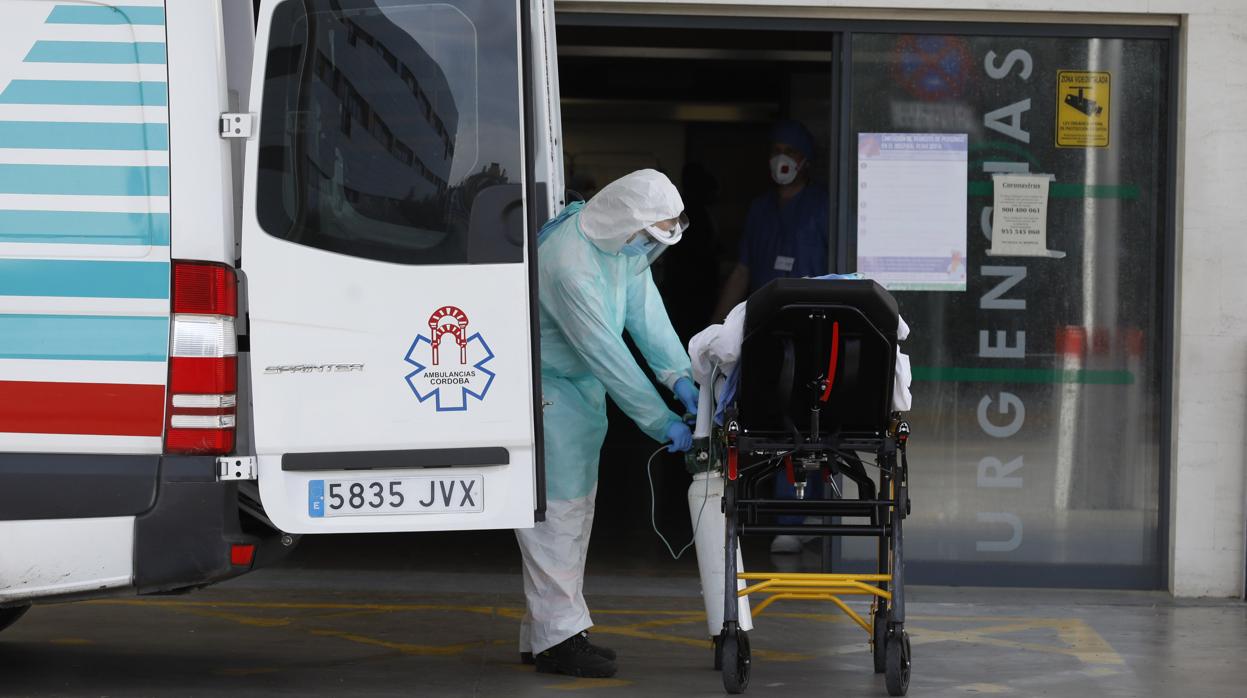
(813, 393)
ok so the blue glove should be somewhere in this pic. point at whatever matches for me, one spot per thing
(687, 392)
(680, 437)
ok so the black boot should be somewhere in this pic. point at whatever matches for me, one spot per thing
(575, 657)
(605, 652)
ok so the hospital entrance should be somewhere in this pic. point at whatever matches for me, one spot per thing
(1020, 369)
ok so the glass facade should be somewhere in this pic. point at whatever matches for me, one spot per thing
(1037, 390)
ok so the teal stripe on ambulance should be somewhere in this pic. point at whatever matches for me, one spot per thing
(84, 180)
(84, 227)
(83, 279)
(113, 52)
(118, 14)
(61, 135)
(86, 92)
(84, 337)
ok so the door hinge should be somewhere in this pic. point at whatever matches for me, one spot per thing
(237, 125)
(236, 468)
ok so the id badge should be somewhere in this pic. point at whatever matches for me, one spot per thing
(783, 263)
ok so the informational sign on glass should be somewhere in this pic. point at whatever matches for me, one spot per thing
(911, 210)
(1020, 216)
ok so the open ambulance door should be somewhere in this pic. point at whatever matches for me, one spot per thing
(402, 158)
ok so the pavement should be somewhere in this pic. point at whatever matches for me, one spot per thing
(338, 620)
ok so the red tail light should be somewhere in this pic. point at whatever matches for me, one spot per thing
(204, 289)
(203, 360)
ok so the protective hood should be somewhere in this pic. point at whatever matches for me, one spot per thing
(628, 205)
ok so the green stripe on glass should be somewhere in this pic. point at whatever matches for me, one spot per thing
(948, 374)
(1072, 191)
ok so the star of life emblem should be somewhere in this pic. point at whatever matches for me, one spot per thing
(450, 363)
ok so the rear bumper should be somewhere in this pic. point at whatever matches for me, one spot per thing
(183, 541)
(184, 521)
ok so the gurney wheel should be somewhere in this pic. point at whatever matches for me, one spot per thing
(718, 652)
(897, 674)
(879, 639)
(736, 661)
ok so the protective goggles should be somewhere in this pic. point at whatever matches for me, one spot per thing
(668, 237)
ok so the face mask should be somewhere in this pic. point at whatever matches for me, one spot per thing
(784, 169)
(640, 246)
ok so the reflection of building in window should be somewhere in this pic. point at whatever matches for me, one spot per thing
(459, 208)
(395, 108)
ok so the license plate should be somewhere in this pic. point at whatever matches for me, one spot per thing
(442, 494)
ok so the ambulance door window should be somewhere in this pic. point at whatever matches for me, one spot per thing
(391, 130)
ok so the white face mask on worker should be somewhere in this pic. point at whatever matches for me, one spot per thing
(784, 169)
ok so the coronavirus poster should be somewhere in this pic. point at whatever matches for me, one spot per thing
(911, 210)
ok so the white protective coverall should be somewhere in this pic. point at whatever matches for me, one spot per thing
(589, 293)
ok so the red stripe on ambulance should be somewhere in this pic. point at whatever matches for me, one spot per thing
(100, 409)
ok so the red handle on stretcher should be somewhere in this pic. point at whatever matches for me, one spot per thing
(835, 357)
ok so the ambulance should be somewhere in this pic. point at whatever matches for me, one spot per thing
(266, 270)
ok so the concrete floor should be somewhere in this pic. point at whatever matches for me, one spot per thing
(329, 630)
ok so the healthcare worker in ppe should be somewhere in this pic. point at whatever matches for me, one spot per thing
(593, 284)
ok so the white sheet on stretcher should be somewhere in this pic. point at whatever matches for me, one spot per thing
(716, 349)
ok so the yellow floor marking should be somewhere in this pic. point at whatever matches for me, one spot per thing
(405, 607)
(578, 684)
(630, 631)
(509, 613)
(1003, 628)
(71, 641)
(1080, 640)
(344, 614)
(668, 622)
(404, 647)
(382, 607)
(988, 619)
(253, 621)
(645, 612)
(672, 617)
(861, 646)
(1089, 645)
(296, 606)
(1101, 671)
(985, 688)
(641, 631)
(1090, 649)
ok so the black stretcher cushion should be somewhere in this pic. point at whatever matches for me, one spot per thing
(786, 354)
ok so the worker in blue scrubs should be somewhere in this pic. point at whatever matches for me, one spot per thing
(787, 228)
(786, 234)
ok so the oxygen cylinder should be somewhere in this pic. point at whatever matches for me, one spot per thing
(704, 497)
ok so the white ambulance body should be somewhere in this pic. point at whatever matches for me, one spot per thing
(264, 271)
